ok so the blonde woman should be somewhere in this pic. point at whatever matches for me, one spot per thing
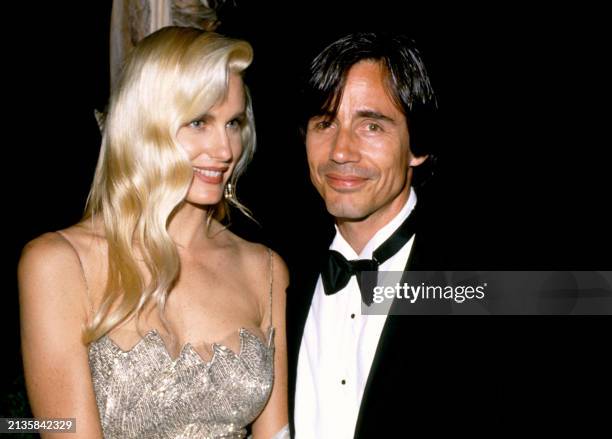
(149, 318)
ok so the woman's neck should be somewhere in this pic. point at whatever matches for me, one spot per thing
(188, 226)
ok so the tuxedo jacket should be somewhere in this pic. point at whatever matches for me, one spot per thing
(422, 375)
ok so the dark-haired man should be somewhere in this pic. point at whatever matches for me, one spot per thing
(368, 101)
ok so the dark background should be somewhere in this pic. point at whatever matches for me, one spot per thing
(522, 182)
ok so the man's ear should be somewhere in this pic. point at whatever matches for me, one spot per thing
(416, 161)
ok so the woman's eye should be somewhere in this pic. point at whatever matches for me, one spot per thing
(196, 124)
(234, 124)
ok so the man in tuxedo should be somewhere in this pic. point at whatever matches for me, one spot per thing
(368, 106)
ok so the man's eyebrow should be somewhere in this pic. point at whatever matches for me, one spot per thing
(323, 115)
(371, 114)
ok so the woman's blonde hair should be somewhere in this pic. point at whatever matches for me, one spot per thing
(171, 78)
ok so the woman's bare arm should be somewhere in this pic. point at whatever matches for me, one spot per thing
(53, 309)
(275, 415)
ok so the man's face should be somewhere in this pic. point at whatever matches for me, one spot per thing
(360, 160)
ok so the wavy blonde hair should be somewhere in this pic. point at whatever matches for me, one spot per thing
(143, 174)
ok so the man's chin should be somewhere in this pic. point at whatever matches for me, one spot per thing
(346, 212)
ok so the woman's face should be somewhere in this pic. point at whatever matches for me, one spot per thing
(213, 143)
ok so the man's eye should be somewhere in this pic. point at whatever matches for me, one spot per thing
(323, 125)
(373, 127)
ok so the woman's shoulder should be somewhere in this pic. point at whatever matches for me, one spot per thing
(49, 272)
(254, 253)
(55, 252)
(47, 249)
(260, 260)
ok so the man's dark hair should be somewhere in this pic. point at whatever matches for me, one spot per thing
(407, 81)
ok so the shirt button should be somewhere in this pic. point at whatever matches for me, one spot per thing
(352, 316)
(343, 381)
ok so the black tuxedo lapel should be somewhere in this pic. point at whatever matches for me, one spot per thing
(392, 372)
(423, 376)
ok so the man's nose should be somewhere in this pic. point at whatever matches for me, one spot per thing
(343, 148)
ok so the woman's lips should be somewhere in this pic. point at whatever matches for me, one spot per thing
(209, 175)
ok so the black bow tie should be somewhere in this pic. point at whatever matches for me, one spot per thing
(337, 272)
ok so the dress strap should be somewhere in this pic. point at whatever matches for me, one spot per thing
(270, 333)
(89, 301)
(271, 275)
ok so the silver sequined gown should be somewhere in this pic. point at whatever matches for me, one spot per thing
(144, 393)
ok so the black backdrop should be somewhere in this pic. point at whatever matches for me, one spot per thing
(522, 180)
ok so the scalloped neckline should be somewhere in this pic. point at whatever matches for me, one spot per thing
(153, 334)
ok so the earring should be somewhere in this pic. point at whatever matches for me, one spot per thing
(228, 193)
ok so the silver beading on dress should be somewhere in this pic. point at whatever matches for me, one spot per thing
(144, 393)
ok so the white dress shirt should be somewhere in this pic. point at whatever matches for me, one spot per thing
(339, 344)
